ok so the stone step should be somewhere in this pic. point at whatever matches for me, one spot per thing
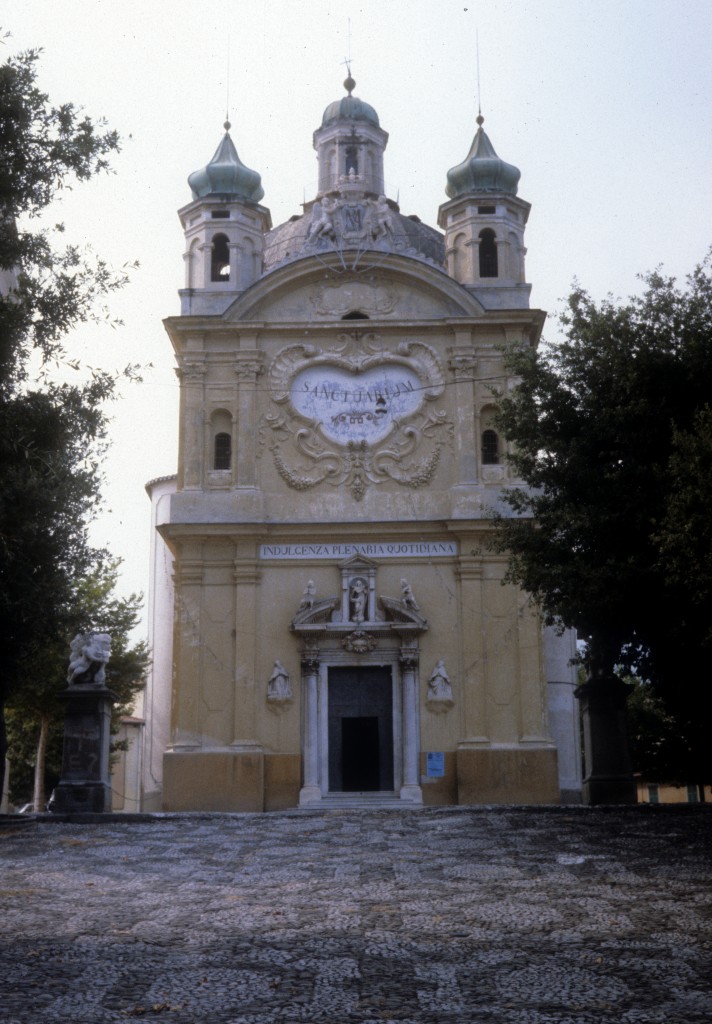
(362, 801)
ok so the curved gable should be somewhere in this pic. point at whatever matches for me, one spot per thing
(388, 287)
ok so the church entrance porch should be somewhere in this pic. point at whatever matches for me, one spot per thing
(360, 729)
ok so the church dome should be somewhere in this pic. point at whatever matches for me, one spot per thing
(409, 237)
(226, 175)
(482, 170)
(350, 108)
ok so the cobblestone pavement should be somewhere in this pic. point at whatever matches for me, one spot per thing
(477, 915)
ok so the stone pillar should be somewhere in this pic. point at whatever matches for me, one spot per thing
(410, 788)
(311, 789)
(503, 269)
(609, 776)
(85, 784)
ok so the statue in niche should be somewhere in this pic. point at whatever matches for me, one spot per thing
(358, 596)
(382, 222)
(439, 685)
(279, 686)
(408, 597)
(307, 601)
(89, 653)
(322, 225)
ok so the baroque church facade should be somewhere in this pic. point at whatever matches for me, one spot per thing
(329, 622)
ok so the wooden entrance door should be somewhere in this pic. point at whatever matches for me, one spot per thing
(360, 729)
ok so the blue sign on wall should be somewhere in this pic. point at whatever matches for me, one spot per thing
(435, 764)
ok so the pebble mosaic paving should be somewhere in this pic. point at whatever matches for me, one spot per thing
(447, 915)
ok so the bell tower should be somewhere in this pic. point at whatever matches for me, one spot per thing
(224, 230)
(484, 226)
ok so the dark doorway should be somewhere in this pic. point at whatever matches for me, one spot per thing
(360, 729)
(360, 757)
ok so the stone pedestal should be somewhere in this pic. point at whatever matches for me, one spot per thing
(85, 784)
(609, 775)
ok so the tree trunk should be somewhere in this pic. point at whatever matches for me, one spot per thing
(39, 798)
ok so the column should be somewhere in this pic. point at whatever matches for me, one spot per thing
(311, 790)
(410, 788)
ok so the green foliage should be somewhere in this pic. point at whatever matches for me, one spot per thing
(52, 431)
(660, 751)
(96, 607)
(610, 535)
(685, 534)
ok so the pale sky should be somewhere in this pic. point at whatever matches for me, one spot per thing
(604, 105)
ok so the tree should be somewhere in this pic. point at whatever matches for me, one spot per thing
(36, 711)
(51, 430)
(601, 425)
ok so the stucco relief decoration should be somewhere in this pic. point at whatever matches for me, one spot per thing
(358, 642)
(338, 296)
(351, 220)
(439, 696)
(356, 414)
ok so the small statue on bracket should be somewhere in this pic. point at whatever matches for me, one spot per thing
(408, 597)
(307, 601)
(279, 686)
(440, 696)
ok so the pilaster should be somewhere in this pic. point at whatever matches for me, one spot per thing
(248, 367)
(246, 576)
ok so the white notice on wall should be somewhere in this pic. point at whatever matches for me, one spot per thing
(371, 549)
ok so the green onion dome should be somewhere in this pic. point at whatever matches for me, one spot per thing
(482, 170)
(226, 175)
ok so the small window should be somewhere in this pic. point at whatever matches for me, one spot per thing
(490, 448)
(486, 209)
(488, 254)
(223, 451)
(351, 159)
(220, 264)
(355, 314)
(220, 214)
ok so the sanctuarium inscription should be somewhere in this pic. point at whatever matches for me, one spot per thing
(356, 406)
(356, 413)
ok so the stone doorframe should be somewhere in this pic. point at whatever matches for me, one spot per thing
(387, 635)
